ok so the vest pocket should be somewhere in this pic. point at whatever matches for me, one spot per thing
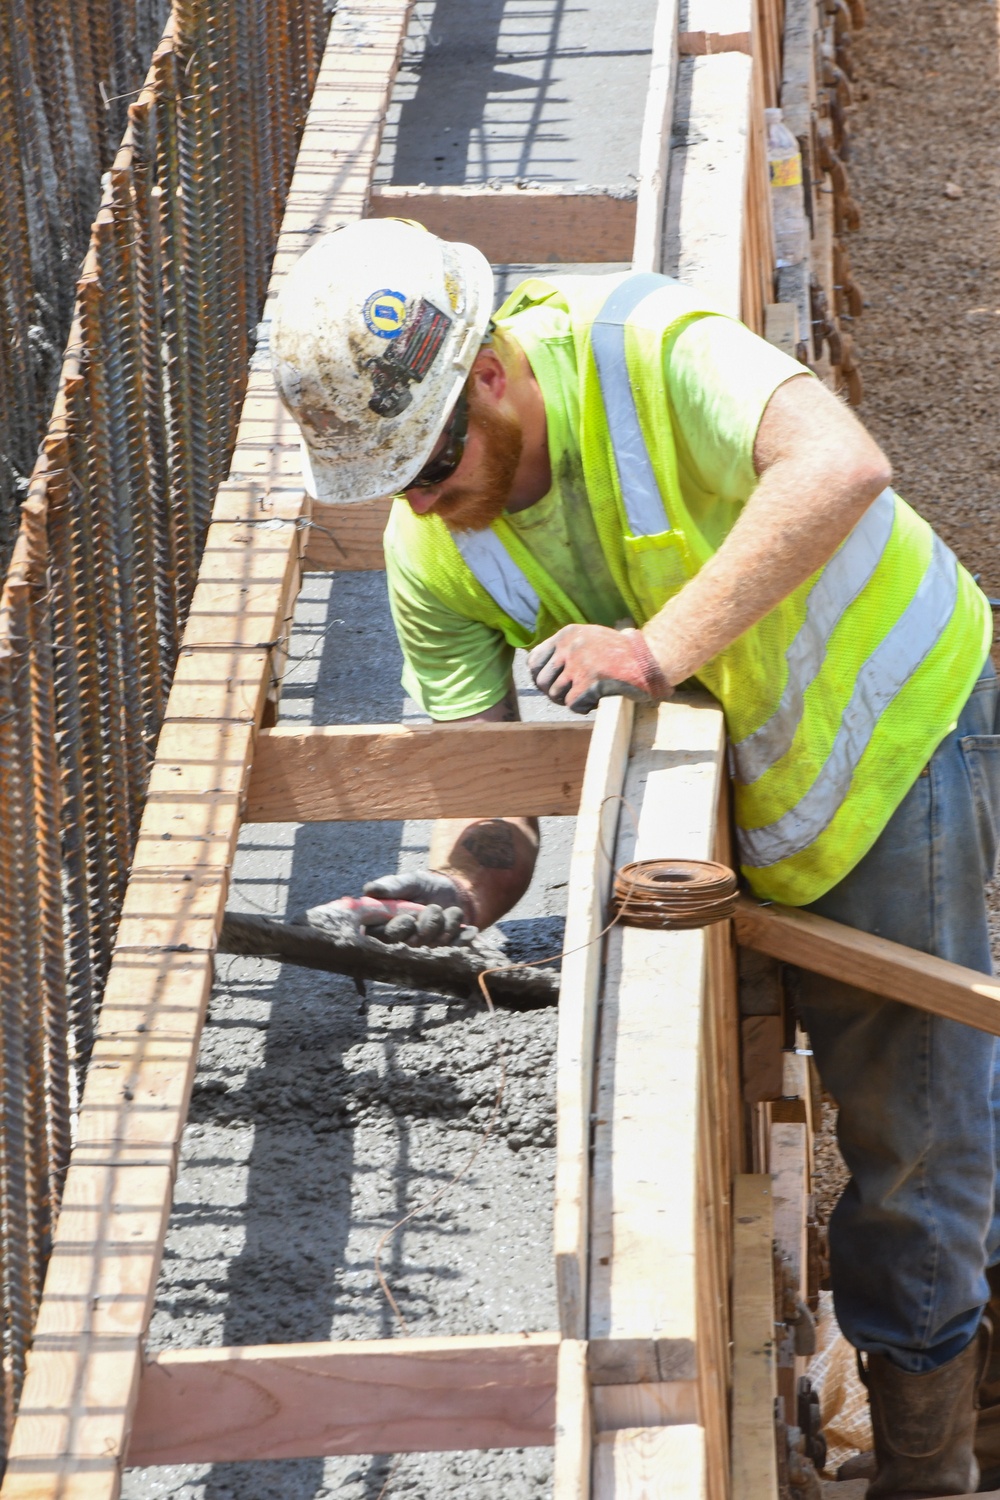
(658, 567)
(981, 753)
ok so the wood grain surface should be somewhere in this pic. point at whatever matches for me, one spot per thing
(391, 771)
(871, 963)
(317, 1400)
(520, 225)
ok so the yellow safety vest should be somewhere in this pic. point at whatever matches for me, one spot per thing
(835, 700)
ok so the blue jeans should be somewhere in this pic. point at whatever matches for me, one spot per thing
(916, 1225)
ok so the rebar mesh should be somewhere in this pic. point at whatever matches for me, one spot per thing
(110, 534)
(68, 69)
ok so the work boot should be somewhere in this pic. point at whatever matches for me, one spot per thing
(988, 1419)
(924, 1427)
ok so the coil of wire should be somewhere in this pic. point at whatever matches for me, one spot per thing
(673, 894)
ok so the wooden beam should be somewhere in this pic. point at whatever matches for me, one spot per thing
(654, 1292)
(574, 1424)
(589, 882)
(707, 43)
(654, 144)
(798, 82)
(345, 538)
(706, 206)
(789, 1163)
(318, 1400)
(754, 1457)
(781, 327)
(871, 963)
(590, 870)
(353, 772)
(651, 1463)
(526, 226)
(712, 26)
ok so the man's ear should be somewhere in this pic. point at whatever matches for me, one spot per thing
(489, 375)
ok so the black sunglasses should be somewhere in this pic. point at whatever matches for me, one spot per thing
(443, 465)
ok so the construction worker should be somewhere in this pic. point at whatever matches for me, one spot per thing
(637, 490)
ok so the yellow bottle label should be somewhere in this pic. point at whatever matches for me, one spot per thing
(786, 171)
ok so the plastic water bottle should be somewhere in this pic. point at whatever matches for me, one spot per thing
(787, 200)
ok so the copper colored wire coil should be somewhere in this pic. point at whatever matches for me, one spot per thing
(673, 894)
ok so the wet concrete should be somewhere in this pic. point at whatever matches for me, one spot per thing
(320, 1118)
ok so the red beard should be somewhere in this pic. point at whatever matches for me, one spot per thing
(475, 506)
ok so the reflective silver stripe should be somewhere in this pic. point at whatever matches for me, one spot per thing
(835, 590)
(492, 565)
(640, 492)
(883, 676)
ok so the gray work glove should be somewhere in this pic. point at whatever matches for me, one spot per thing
(442, 921)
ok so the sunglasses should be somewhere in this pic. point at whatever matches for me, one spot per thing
(442, 465)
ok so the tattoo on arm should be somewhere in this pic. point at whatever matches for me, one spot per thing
(491, 845)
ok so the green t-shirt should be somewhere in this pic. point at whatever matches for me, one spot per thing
(718, 378)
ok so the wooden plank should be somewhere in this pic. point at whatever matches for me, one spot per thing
(574, 1424)
(871, 963)
(520, 225)
(790, 1172)
(228, 683)
(781, 327)
(345, 538)
(761, 1039)
(318, 1400)
(395, 771)
(754, 1459)
(711, 26)
(590, 869)
(798, 83)
(144, 1061)
(589, 882)
(654, 144)
(651, 1463)
(706, 204)
(707, 43)
(644, 1403)
(83, 1369)
(643, 1272)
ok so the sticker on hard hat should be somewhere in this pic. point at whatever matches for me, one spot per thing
(385, 313)
(408, 361)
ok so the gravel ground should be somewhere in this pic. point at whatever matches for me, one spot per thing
(319, 1119)
(928, 115)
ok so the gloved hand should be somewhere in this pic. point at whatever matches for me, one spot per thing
(422, 909)
(581, 664)
(442, 918)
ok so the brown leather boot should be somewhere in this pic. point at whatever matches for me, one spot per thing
(988, 1419)
(924, 1427)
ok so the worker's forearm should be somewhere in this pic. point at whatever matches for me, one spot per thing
(491, 860)
(799, 514)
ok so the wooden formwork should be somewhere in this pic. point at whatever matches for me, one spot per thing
(661, 1335)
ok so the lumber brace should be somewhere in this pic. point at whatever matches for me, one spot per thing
(353, 772)
(406, 1395)
(871, 963)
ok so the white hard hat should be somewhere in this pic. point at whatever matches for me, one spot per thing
(374, 334)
